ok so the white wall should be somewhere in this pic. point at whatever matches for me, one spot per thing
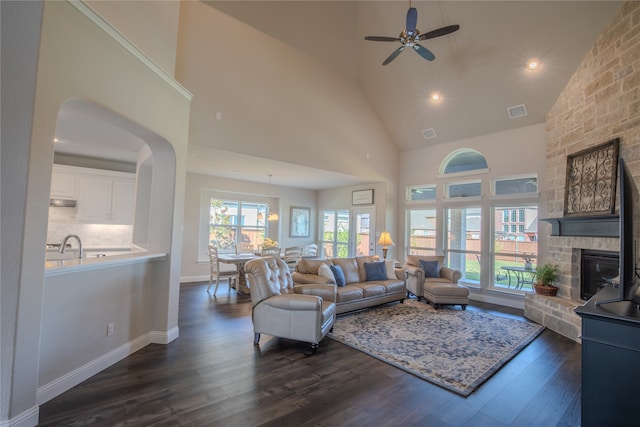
(80, 59)
(151, 25)
(276, 102)
(510, 153)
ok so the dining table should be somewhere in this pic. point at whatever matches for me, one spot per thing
(239, 260)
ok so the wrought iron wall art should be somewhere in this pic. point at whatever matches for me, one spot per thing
(590, 187)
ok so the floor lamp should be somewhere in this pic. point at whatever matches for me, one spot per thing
(384, 241)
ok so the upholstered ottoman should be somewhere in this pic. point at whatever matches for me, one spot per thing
(439, 293)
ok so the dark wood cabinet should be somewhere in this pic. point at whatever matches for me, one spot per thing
(610, 362)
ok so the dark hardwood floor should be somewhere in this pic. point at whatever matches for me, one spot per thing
(213, 376)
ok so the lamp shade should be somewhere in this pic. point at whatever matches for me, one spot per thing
(385, 239)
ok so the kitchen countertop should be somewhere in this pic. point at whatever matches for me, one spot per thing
(72, 265)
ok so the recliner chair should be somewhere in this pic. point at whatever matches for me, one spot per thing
(279, 311)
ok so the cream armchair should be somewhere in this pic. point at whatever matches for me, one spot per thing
(428, 278)
(279, 311)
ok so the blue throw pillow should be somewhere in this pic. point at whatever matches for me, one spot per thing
(430, 268)
(375, 270)
(338, 274)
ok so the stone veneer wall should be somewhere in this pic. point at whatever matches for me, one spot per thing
(600, 102)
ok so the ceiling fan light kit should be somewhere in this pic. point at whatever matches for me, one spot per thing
(410, 36)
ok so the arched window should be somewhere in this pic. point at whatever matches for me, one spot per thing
(463, 160)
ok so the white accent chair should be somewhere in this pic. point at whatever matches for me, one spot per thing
(279, 311)
(270, 252)
(311, 250)
(244, 248)
(292, 255)
(215, 271)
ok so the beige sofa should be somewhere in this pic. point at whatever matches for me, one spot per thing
(439, 289)
(358, 292)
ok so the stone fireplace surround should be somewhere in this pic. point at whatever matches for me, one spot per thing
(557, 313)
(600, 102)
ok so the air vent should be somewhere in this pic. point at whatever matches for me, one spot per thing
(517, 111)
(429, 133)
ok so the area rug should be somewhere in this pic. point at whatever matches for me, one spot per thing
(452, 348)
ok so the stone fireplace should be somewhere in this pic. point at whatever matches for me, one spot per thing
(600, 102)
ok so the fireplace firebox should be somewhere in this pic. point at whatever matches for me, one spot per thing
(597, 269)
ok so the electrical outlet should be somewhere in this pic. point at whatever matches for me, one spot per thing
(110, 329)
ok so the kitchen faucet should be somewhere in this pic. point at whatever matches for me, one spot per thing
(64, 244)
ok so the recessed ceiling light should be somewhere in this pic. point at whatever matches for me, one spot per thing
(435, 97)
(533, 64)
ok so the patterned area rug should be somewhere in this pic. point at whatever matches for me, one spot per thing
(455, 349)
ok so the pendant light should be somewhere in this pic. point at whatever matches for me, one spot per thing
(273, 216)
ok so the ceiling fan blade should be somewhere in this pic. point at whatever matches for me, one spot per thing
(424, 52)
(393, 55)
(412, 20)
(382, 39)
(440, 32)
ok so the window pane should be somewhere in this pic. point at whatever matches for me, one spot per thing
(515, 252)
(516, 186)
(335, 233)
(423, 193)
(466, 161)
(422, 231)
(463, 241)
(224, 217)
(469, 189)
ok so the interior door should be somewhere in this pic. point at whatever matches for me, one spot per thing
(363, 231)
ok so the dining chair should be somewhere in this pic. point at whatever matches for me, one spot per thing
(292, 255)
(311, 249)
(214, 265)
(244, 248)
(270, 252)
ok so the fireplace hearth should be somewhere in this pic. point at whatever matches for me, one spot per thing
(597, 269)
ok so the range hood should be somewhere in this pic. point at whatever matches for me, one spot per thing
(62, 203)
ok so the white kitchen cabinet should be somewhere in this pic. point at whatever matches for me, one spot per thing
(63, 184)
(105, 200)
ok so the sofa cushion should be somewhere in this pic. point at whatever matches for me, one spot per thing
(370, 289)
(394, 286)
(310, 266)
(360, 262)
(375, 271)
(415, 259)
(325, 271)
(390, 266)
(350, 269)
(431, 268)
(349, 293)
(338, 274)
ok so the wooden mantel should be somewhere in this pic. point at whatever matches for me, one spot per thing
(587, 226)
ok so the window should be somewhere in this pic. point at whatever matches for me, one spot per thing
(505, 217)
(335, 233)
(421, 224)
(463, 161)
(425, 192)
(232, 222)
(515, 251)
(513, 216)
(463, 227)
(467, 189)
(511, 186)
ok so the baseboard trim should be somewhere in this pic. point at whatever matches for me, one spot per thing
(28, 418)
(492, 299)
(86, 371)
(161, 337)
(191, 279)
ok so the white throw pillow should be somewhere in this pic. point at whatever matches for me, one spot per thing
(325, 271)
(390, 266)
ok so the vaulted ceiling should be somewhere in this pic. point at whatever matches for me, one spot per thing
(479, 71)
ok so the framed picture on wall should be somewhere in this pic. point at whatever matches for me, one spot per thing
(299, 222)
(362, 197)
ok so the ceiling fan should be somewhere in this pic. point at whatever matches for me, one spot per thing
(410, 36)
